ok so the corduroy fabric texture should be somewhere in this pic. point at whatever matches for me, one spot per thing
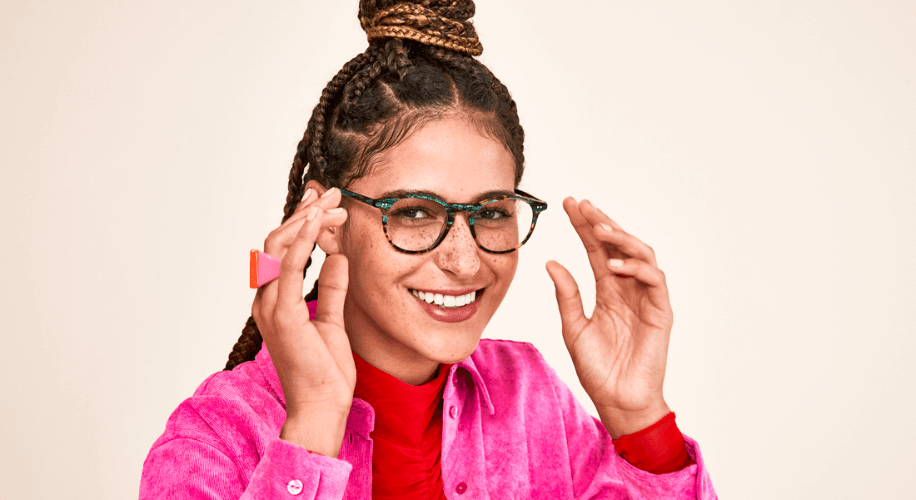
(511, 429)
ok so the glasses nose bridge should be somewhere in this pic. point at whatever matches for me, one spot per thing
(469, 210)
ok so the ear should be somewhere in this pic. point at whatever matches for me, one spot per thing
(315, 186)
(328, 239)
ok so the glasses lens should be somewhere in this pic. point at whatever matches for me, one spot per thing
(414, 224)
(502, 225)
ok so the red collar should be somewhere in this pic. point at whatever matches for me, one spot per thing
(402, 411)
(407, 440)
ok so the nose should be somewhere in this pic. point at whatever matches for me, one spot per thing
(458, 252)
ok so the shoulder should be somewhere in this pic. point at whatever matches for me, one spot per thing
(228, 411)
(245, 388)
(512, 369)
(494, 355)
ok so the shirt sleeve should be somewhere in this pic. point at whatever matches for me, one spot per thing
(192, 469)
(599, 472)
(658, 449)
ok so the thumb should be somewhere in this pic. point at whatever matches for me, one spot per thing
(568, 299)
(332, 290)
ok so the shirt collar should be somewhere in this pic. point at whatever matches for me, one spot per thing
(468, 364)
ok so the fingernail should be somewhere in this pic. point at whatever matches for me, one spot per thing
(606, 228)
(335, 210)
(308, 192)
(615, 263)
(328, 192)
(312, 213)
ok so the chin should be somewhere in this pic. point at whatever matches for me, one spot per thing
(450, 348)
(452, 342)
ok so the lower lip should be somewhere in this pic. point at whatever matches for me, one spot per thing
(451, 314)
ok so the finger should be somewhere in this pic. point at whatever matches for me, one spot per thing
(329, 200)
(569, 301)
(306, 199)
(596, 249)
(645, 273)
(594, 214)
(332, 292)
(280, 239)
(292, 266)
(626, 243)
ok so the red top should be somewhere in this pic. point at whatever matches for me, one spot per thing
(407, 440)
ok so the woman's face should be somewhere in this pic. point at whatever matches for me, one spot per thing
(389, 326)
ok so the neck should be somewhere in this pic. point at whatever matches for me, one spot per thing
(395, 360)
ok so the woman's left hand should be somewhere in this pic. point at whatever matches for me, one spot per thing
(620, 352)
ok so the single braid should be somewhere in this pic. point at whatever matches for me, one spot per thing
(397, 59)
(296, 182)
(248, 345)
(363, 78)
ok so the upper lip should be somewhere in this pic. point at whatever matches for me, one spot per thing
(448, 292)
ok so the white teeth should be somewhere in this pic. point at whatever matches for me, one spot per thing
(445, 300)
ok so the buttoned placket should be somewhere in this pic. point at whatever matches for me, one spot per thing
(357, 449)
(463, 466)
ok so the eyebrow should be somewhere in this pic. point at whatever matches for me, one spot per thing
(406, 192)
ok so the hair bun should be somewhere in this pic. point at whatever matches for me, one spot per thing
(443, 23)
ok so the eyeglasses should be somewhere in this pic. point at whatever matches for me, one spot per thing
(417, 223)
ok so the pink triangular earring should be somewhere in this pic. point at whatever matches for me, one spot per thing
(262, 269)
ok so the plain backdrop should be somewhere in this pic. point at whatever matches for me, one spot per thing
(764, 149)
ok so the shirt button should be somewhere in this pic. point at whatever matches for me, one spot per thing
(461, 488)
(452, 412)
(295, 487)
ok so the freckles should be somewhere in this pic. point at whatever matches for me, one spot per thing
(504, 262)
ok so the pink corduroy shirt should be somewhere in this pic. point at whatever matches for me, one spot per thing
(511, 429)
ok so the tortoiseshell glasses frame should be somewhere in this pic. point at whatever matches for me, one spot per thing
(385, 204)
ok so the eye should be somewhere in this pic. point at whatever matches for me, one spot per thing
(416, 212)
(493, 213)
(412, 213)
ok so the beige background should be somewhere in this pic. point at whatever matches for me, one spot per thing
(764, 149)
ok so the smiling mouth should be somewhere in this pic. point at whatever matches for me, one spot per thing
(447, 301)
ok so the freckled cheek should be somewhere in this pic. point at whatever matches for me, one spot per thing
(503, 267)
(373, 261)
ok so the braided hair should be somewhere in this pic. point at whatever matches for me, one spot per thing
(419, 67)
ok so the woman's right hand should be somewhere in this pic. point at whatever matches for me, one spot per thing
(312, 358)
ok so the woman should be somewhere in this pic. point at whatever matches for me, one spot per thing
(378, 382)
